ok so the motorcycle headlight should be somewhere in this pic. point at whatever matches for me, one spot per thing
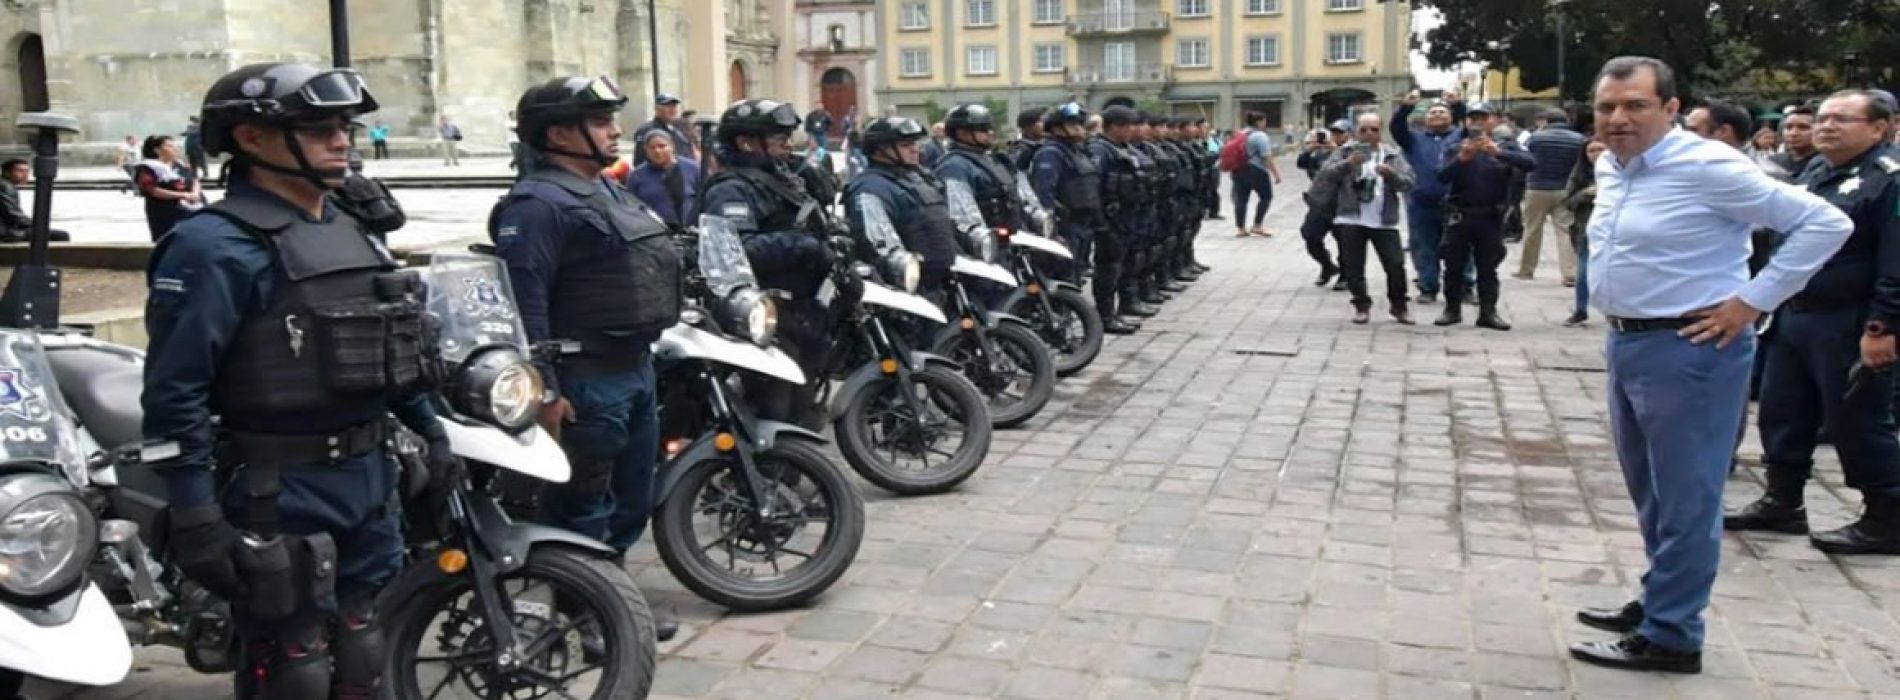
(907, 268)
(499, 387)
(47, 535)
(982, 243)
(756, 313)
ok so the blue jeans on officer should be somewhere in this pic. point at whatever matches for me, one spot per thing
(1426, 224)
(614, 444)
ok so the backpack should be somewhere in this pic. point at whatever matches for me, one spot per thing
(1233, 154)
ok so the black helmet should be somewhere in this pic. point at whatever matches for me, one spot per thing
(279, 94)
(757, 118)
(566, 101)
(889, 131)
(969, 116)
(1120, 116)
(1067, 113)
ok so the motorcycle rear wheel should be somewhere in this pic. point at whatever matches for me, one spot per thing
(1030, 363)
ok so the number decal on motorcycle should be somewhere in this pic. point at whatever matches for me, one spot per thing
(16, 433)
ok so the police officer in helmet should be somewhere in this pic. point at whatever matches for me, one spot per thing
(1129, 186)
(592, 266)
(972, 160)
(912, 198)
(1069, 180)
(784, 228)
(280, 313)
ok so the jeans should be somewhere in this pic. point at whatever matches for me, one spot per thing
(1674, 406)
(382, 149)
(1804, 388)
(1427, 222)
(820, 139)
(1480, 237)
(1352, 261)
(614, 443)
(1247, 181)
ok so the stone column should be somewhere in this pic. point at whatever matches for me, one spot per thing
(706, 86)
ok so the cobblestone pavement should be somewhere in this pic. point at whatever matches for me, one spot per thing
(1253, 498)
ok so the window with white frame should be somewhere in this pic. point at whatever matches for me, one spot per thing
(980, 13)
(1191, 8)
(1048, 12)
(1118, 60)
(1345, 5)
(980, 60)
(1050, 58)
(915, 63)
(916, 15)
(1343, 48)
(1263, 7)
(1191, 53)
(1263, 51)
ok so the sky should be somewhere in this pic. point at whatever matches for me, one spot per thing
(1423, 21)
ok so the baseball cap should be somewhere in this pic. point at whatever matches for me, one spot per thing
(1341, 126)
(666, 99)
(1480, 108)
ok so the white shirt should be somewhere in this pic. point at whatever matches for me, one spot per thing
(1371, 214)
(1670, 233)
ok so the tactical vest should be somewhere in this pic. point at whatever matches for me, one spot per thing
(784, 204)
(343, 329)
(931, 234)
(618, 280)
(995, 188)
(1127, 175)
(1080, 191)
(1189, 175)
(1161, 179)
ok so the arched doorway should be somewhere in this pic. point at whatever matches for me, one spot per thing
(32, 57)
(1119, 101)
(735, 77)
(838, 91)
(1338, 103)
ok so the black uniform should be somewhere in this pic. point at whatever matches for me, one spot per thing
(1478, 194)
(1127, 191)
(1167, 213)
(1068, 181)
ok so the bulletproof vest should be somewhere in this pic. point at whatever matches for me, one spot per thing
(1161, 176)
(785, 202)
(1023, 152)
(1080, 192)
(931, 233)
(1187, 177)
(1128, 174)
(618, 277)
(342, 331)
(994, 187)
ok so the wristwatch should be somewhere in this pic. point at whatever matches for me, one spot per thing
(1877, 329)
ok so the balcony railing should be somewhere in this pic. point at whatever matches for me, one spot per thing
(1135, 73)
(1118, 22)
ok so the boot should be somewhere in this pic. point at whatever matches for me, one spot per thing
(1774, 512)
(1451, 316)
(1150, 294)
(1488, 318)
(1326, 275)
(1133, 307)
(1876, 532)
(1114, 325)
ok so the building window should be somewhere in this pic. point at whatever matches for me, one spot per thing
(1191, 53)
(980, 13)
(916, 16)
(1263, 7)
(1191, 8)
(1342, 48)
(1118, 60)
(1345, 5)
(916, 63)
(1048, 12)
(1049, 58)
(1263, 51)
(980, 60)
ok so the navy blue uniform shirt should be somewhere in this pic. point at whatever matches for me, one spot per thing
(1485, 181)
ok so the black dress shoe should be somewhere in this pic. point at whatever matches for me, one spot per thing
(665, 626)
(1430, 297)
(1339, 285)
(1173, 286)
(1187, 275)
(1577, 319)
(1623, 620)
(1203, 269)
(1140, 310)
(1769, 514)
(1489, 318)
(1116, 326)
(1865, 536)
(1326, 276)
(1451, 316)
(1636, 653)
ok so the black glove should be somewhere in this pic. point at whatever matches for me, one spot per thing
(445, 468)
(370, 201)
(201, 544)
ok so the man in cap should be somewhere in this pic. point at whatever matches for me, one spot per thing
(1425, 204)
(1478, 182)
(1320, 207)
(666, 114)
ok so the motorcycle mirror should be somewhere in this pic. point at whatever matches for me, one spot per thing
(31, 299)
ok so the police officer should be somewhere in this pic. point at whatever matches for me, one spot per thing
(1187, 189)
(1209, 188)
(281, 314)
(1478, 175)
(1151, 141)
(1069, 181)
(784, 228)
(1029, 139)
(1847, 314)
(590, 265)
(1127, 194)
(970, 160)
(912, 198)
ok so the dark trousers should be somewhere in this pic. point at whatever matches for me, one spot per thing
(1313, 231)
(1108, 252)
(1250, 180)
(1804, 387)
(199, 163)
(1470, 236)
(1352, 263)
(382, 149)
(613, 444)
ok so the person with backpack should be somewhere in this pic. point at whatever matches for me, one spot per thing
(1249, 156)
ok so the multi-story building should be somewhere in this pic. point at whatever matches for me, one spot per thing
(1301, 62)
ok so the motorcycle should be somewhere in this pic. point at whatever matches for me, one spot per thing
(1000, 353)
(55, 622)
(894, 407)
(1065, 319)
(743, 496)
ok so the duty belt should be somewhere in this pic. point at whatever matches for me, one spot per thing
(277, 450)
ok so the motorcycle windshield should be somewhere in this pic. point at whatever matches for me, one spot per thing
(963, 208)
(35, 425)
(878, 228)
(1032, 207)
(722, 259)
(472, 304)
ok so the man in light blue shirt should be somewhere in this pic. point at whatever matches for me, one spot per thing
(1669, 245)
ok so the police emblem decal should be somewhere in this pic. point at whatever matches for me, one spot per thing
(253, 87)
(1850, 185)
(485, 299)
(19, 398)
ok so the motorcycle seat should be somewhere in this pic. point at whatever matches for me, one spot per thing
(103, 389)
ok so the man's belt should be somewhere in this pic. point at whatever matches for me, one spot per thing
(280, 450)
(1810, 304)
(1639, 325)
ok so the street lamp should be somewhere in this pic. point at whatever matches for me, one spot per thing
(1503, 48)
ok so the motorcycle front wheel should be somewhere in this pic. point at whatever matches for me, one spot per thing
(1074, 335)
(584, 630)
(893, 444)
(711, 536)
(1019, 381)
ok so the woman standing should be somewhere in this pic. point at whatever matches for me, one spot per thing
(667, 183)
(169, 189)
(1581, 198)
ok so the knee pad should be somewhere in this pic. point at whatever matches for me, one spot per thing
(358, 649)
(293, 667)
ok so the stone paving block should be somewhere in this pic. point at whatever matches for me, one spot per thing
(802, 655)
(726, 645)
(895, 666)
(913, 634)
(1041, 683)
(965, 675)
(1332, 683)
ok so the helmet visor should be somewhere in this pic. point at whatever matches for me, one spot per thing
(604, 89)
(337, 89)
(781, 114)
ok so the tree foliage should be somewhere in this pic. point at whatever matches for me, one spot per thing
(1717, 47)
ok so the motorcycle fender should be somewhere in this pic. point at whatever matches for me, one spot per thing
(77, 639)
(998, 318)
(506, 541)
(533, 452)
(863, 376)
(1061, 286)
(765, 434)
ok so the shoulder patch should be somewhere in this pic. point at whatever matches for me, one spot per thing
(1889, 164)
